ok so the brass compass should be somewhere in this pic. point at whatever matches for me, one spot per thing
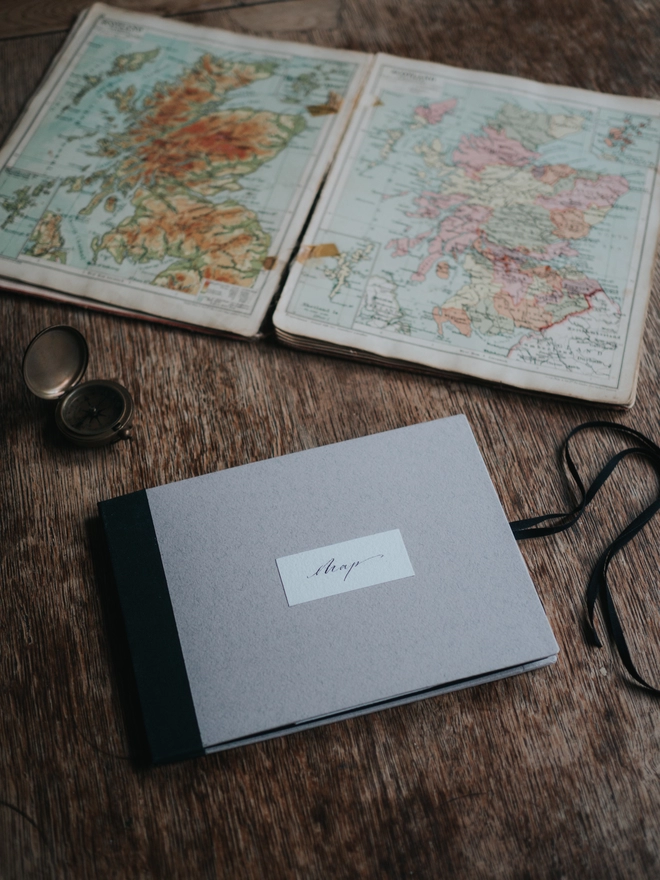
(92, 413)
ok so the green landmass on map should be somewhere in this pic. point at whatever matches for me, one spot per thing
(534, 129)
(47, 240)
(122, 64)
(208, 241)
(300, 87)
(22, 199)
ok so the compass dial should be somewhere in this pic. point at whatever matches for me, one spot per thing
(93, 410)
(95, 413)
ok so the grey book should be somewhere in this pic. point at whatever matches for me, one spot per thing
(279, 595)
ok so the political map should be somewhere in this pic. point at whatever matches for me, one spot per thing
(485, 220)
(171, 160)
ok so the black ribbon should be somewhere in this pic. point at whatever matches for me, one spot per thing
(598, 586)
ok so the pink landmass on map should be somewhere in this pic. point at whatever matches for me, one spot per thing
(455, 234)
(475, 152)
(401, 246)
(537, 312)
(600, 193)
(580, 286)
(434, 112)
(511, 278)
(515, 281)
(431, 204)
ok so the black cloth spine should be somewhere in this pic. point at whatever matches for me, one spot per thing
(158, 662)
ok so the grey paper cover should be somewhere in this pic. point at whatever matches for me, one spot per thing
(256, 664)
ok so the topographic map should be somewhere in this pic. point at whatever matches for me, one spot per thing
(496, 224)
(171, 160)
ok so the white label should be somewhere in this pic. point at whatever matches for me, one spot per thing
(340, 568)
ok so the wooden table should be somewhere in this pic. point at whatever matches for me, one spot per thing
(552, 774)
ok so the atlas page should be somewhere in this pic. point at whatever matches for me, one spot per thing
(169, 169)
(489, 226)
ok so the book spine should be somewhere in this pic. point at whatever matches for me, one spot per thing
(158, 663)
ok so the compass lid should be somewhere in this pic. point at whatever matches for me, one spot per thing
(55, 361)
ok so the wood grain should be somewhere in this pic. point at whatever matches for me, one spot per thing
(548, 775)
(33, 17)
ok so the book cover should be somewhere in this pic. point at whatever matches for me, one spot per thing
(279, 595)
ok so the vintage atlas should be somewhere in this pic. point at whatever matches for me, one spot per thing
(469, 223)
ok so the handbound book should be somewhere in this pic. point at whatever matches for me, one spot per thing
(469, 223)
(284, 594)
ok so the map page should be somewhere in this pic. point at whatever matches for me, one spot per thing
(169, 169)
(489, 226)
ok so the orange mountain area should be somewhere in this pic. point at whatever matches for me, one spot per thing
(212, 151)
(178, 149)
(180, 137)
(211, 242)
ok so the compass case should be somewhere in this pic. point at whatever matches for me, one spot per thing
(55, 361)
(288, 593)
(88, 413)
